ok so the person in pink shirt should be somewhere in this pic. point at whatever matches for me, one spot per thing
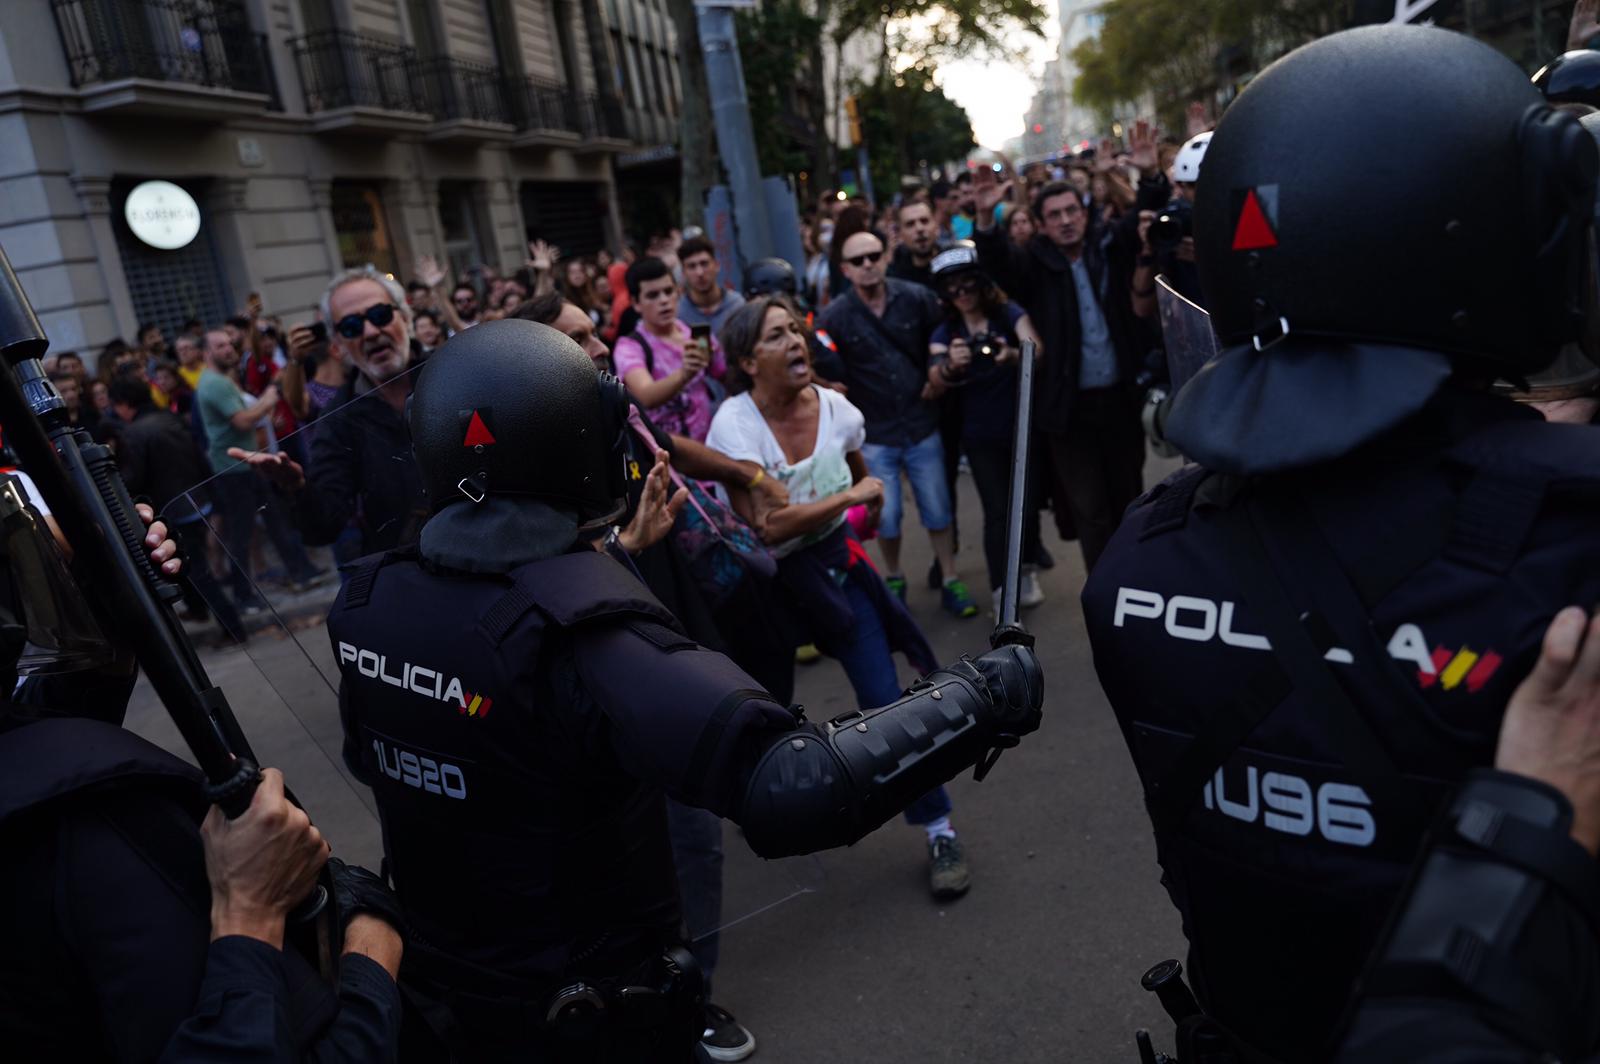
(662, 365)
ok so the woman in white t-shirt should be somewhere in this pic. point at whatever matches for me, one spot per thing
(810, 438)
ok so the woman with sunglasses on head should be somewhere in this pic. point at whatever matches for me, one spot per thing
(976, 349)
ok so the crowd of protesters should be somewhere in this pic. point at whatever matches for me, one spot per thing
(794, 410)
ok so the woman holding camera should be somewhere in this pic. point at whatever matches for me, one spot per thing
(977, 348)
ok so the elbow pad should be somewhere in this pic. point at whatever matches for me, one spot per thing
(1503, 916)
(829, 785)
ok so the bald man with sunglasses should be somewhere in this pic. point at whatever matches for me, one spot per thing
(361, 466)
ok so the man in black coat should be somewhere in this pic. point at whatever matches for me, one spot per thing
(1076, 291)
(159, 460)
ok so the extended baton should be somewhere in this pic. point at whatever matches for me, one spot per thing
(1008, 629)
(79, 481)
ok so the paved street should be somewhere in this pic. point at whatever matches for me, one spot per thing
(1040, 962)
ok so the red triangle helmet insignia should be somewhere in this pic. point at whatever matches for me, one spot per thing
(1253, 230)
(478, 433)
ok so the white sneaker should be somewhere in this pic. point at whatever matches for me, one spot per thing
(1030, 594)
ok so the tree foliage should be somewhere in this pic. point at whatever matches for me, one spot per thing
(1182, 50)
(910, 123)
(930, 30)
(777, 42)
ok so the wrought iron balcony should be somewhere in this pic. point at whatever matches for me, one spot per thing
(543, 106)
(342, 70)
(181, 45)
(463, 91)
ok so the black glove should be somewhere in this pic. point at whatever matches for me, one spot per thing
(356, 890)
(1016, 687)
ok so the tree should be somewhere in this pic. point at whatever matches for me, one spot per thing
(1181, 50)
(778, 42)
(930, 30)
(908, 122)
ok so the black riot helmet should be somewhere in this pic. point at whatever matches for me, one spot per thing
(770, 277)
(512, 407)
(1572, 77)
(1379, 209)
(1576, 370)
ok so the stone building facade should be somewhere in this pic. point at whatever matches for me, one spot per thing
(313, 135)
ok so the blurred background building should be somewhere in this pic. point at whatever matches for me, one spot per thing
(315, 134)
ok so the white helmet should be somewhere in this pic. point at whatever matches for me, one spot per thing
(1186, 166)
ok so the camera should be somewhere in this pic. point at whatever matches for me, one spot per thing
(984, 346)
(1174, 223)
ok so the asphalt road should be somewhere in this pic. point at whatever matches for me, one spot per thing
(845, 957)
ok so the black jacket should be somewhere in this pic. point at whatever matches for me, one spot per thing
(105, 911)
(361, 466)
(1039, 277)
(1293, 743)
(159, 460)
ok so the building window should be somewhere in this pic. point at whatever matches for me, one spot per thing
(362, 227)
(458, 213)
(638, 66)
(655, 75)
(624, 81)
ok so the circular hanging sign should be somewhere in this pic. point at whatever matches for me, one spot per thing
(162, 215)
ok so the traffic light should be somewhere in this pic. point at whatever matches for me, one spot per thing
(854, 114)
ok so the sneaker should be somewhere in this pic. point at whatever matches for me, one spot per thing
(1046, 560)
(948, 875)
(807, 654)
(897, 584)
(723, 1037)
(1030, 593)
(935, 576)
(251, 607)
(957, 601)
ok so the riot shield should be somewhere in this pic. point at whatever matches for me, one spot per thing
(280, 578)
(1186, 332)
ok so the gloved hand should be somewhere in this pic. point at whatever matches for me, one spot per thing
(356, 890)
(1016, 687)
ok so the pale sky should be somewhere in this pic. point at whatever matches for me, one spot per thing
(996, 95)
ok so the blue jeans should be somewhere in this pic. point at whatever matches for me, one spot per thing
(870, 667)
(923, 465)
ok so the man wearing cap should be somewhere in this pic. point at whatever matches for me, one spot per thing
(1310, 636)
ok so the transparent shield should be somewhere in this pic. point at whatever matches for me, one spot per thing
(274, 580)
(1186, 332)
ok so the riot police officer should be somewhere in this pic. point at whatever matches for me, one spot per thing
(1311, 634)
(519, 703)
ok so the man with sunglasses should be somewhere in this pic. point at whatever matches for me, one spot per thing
(881, 327)
(360, 489)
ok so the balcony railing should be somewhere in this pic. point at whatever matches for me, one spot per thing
(545, 106)
(205, 44)
(342, 69)
(458, 89)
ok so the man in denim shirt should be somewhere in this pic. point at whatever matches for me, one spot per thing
(881, 327)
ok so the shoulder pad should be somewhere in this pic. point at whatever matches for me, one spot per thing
(56, 758)
(573, 589)
(1168, 502)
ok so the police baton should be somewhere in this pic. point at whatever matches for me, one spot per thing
(1008, 629)
(78, 479)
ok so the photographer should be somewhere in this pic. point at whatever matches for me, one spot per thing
(1166, 237)
(976, 349)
